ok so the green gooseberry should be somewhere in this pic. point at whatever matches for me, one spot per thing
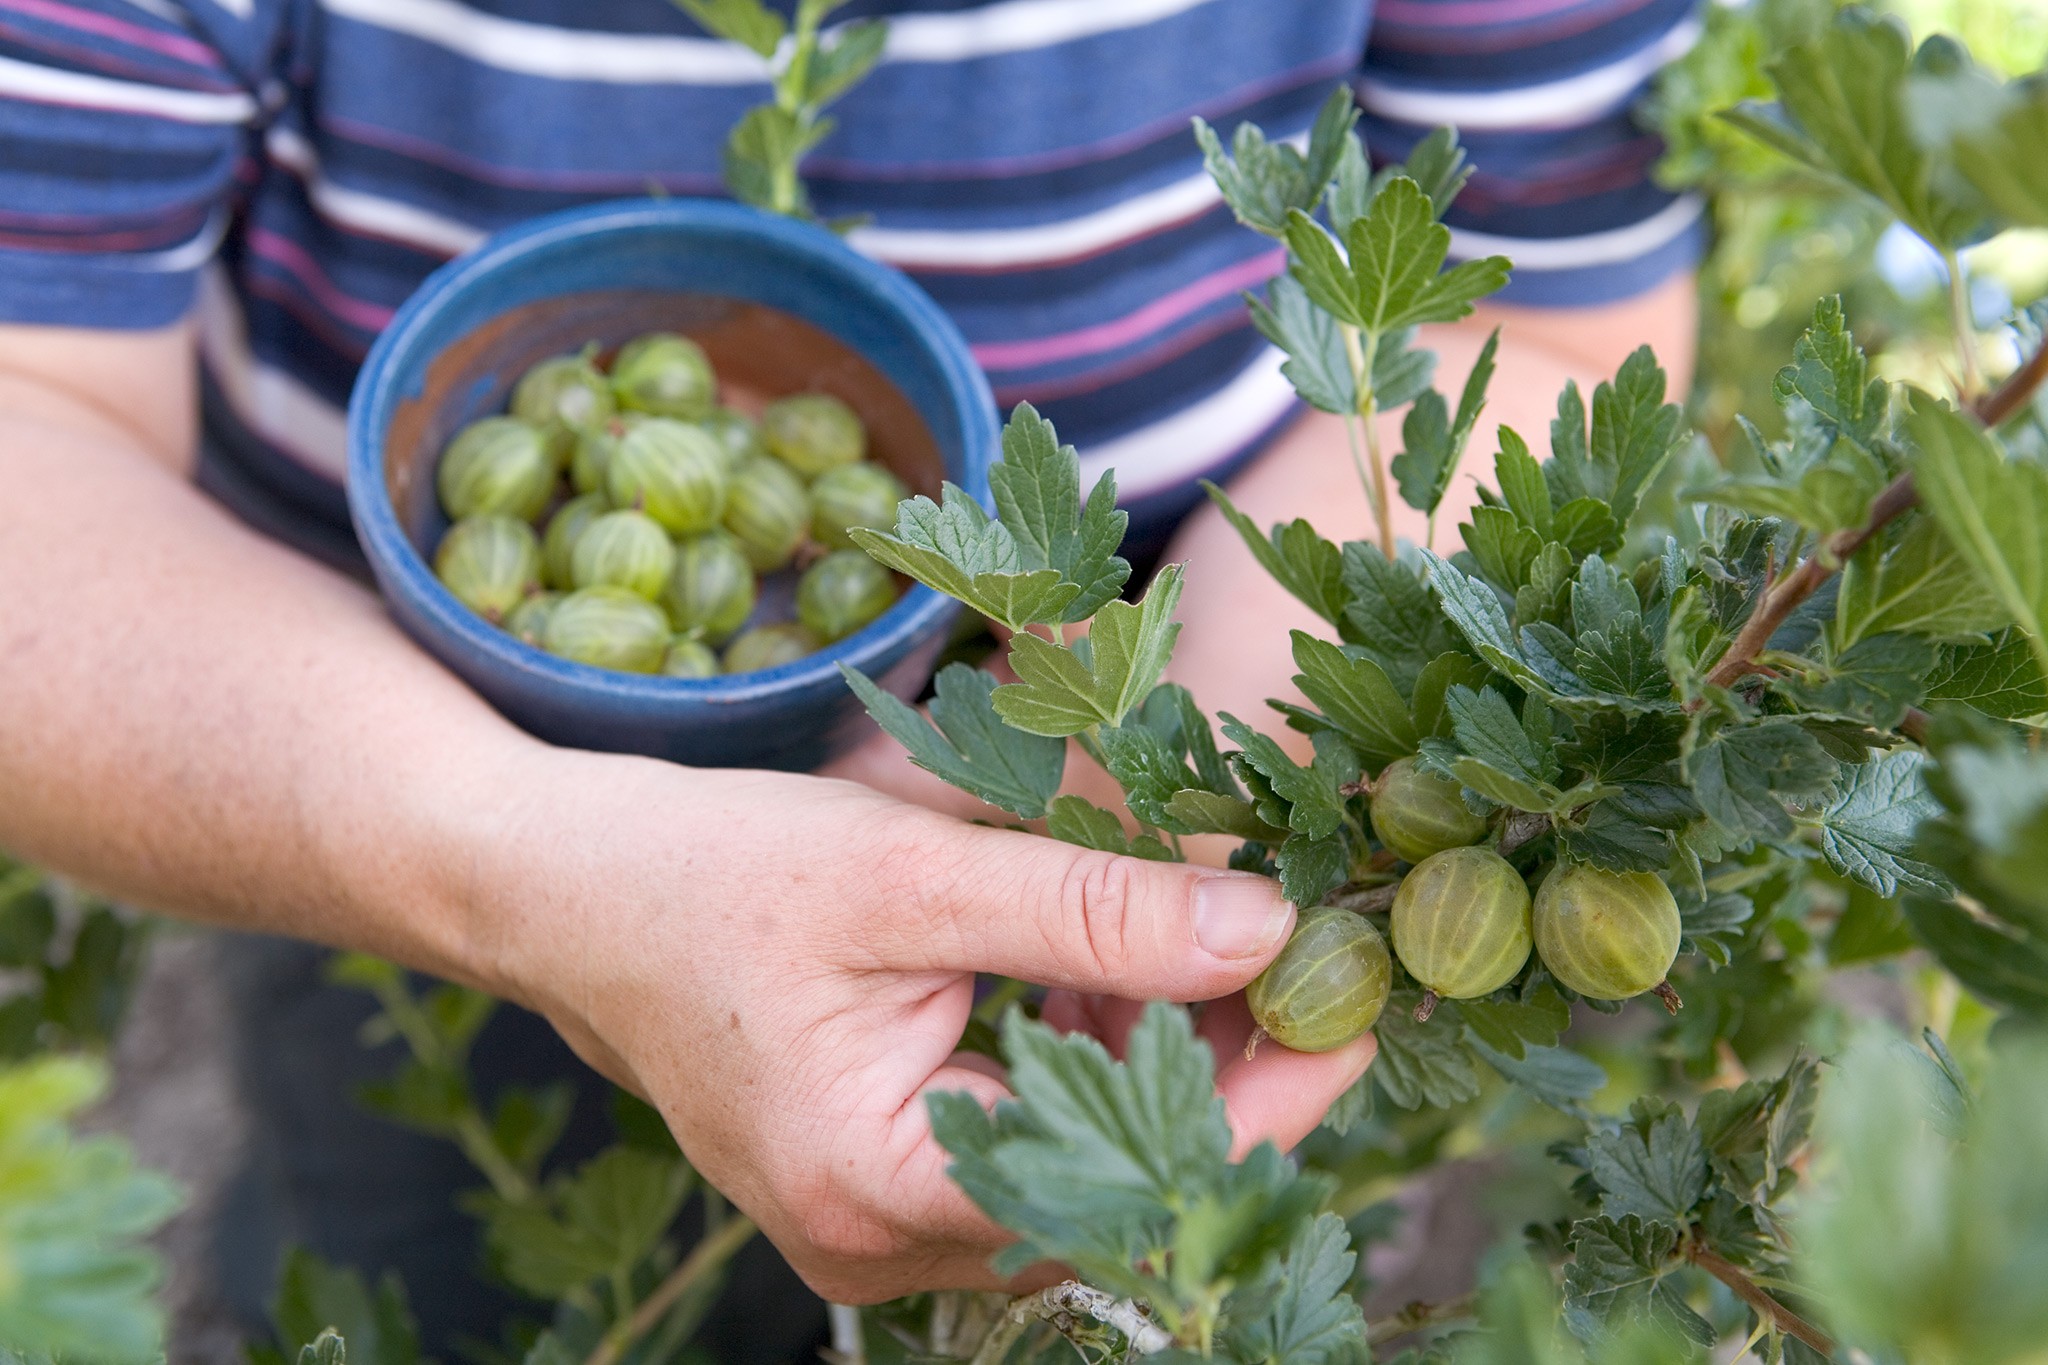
(498, 466)
(737, 434)
(1461, 925)
(711, 588)
(863, 494)
(565, 527)
(626, 549)
(673, 472)
(1417, 813)
(813, 432)
(1608, 935)
(608, 627)
(1328, 984)
(768, 511)
(527, 620)
(562, 397)
(664, 374)
(690, 657)
(841, 593)
(769, 647)
(489, 563)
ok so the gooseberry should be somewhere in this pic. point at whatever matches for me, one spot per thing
(499, 465)
(672, 471)
(1417, 813)
(711, 587)
(608, 627)
(1461, 925)
(1327, 986)
(626, 549)
(841, 593)
(863, 494)
(769, 647)
(813, 432)
(1607, 935)
(767, 511)
(664, 374)
(489, 563)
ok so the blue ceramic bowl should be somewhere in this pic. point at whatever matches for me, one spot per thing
(781, 307)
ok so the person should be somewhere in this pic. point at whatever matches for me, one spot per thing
(208, 209)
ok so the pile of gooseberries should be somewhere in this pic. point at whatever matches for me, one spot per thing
(624, 518)
(1463, 925)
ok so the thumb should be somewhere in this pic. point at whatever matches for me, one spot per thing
(1034, 908)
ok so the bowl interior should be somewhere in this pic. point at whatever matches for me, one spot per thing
(759, 353)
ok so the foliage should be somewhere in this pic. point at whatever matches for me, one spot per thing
(809, 71)
(75, 1280)
(594, 1244)
(1741, 696)
(71, 959)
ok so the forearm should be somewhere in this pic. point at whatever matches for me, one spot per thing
(205, 723)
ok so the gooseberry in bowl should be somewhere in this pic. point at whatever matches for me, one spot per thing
(604, 655)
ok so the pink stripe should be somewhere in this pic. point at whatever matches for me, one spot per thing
(135, 35)
(290, 256)
(1468, 11)
(1153, 317)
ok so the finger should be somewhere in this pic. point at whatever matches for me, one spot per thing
(1278, 1094)
(1105, 1018)
(1033, 908)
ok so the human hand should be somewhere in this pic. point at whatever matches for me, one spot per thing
(784, 966)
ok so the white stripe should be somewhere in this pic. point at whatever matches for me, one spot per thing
(45, 85)
(1595, 248)
(1197, 438)
(1575, 99)
(639, 58)
(371, 214)
(1041, 243)
(269, 403)
(1019, 26)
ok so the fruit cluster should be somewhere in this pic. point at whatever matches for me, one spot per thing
(1463, 925)
(624, 519)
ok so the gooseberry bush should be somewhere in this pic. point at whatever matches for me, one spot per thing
(1724, 735)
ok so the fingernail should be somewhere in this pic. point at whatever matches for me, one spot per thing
(1239, 915)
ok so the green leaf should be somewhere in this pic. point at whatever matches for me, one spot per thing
(1867, 829)
(1313, 1318)
(747, 22)
(1060, 693)
(1433, 685)
(1522, 486)
(1843, 112)
(1744, 776)
(1994, 511)
(838, 66)
(2002, 679)
(527, 1121)
(1312, 867)
(1918, 582)
(1433, 442)
(1831, 374)
(1476, 612)
(313, 1296)
(1298, 559)
(1037, 487)
(1870, 929)
(1510, 1026)
(1486, 729)
(1876, 680)
(1316, 363)
(1317, 806)
(28, 923)
(600, 1221)
(80, 1280)
(1390, 616)
(957, 549)
(766, 138)
(326, 1349)
(1357, 697)
(1396, 252)
(1263, 181)
(966, 742)
(1558, 1076)
(1620, 1273)
(1634, 431)
(1993, 135)
(1074, 820)
(1421, 1064)
(1504, 549)
(2003, 963)
(1654, 1166)
(1201, 812)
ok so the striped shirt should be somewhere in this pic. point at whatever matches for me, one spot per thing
(292, 169)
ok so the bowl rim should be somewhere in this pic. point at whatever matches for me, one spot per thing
(401, 567)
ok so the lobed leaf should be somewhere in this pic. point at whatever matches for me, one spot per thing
(967, 743)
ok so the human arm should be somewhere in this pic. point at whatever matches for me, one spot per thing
(205, 723)
(1308, 472)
